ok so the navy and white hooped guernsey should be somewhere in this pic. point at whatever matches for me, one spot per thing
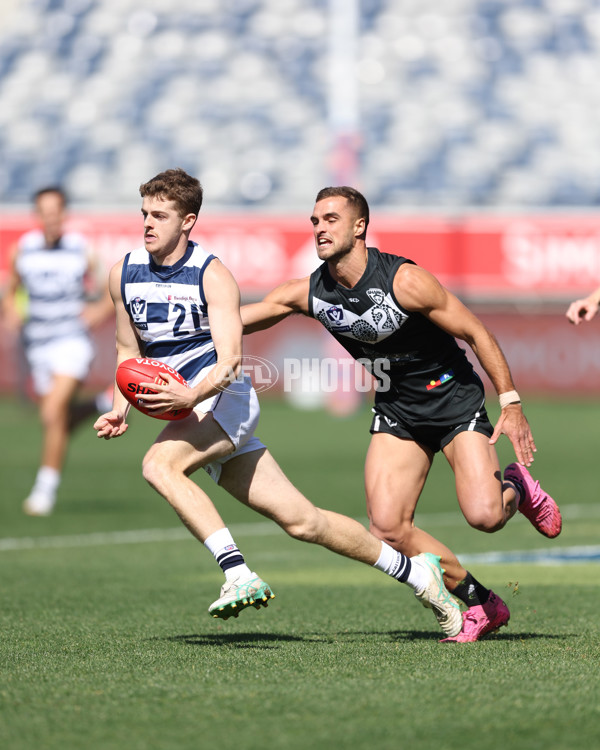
(54, 278)
(168, 308)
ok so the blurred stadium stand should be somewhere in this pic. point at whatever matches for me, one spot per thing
(480, 119)
(478, 103)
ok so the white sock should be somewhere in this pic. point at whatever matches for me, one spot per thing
(418, 576)
(394, 563)
(226, 553)
(47, 480)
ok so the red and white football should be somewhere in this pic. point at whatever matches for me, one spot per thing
(132, 372)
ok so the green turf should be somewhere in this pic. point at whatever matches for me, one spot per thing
(106, 645)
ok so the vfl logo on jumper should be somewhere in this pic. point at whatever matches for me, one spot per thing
(139, 310)
(332, 317)
(335, 314)
(335, 318)
(442, 379)
(385, 317)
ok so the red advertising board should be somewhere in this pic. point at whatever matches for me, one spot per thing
(486, 259)
(525, 256)
(481, 257)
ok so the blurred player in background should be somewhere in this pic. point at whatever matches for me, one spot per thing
(584, 309)
(176, 302)
(53, 270)
(389, 313)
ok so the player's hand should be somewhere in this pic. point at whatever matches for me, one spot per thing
(110, 425)
(582, 309)
(514, 425)
(170, 395)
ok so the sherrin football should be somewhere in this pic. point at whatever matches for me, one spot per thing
(132, 372)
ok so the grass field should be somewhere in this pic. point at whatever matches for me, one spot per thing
(105, 641)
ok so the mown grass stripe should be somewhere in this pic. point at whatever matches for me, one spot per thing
(134, 536)
(555, 556)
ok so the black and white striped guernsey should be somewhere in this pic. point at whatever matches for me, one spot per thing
(54, 278)
(168, 308)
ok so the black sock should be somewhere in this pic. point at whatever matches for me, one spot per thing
(519, 488)
(471, 592)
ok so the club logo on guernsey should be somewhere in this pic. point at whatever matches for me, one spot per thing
(376, 296)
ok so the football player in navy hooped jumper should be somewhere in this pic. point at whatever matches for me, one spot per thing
(177, 303)
(56, 270)
(384, 308)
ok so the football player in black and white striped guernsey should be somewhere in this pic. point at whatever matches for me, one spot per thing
(401, 323)
(176, 302)
(57, 272)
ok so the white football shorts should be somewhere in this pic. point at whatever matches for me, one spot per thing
(237, 411)
(69, 356)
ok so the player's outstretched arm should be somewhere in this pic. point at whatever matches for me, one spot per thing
(418, 290)
(584, 309)
(288, 298)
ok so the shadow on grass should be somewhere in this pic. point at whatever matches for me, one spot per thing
(239, 640)
(270, 640)
(531, 636)
(352, 636)
(425, 635)
(267, 641)
(491, 638)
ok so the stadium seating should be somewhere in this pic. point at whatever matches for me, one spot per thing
(462, 103)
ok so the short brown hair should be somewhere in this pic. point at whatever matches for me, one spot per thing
(354, 198)
(178, 186)
(56, 189)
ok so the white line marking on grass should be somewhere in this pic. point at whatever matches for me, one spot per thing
(135, 536)
(558, 555)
